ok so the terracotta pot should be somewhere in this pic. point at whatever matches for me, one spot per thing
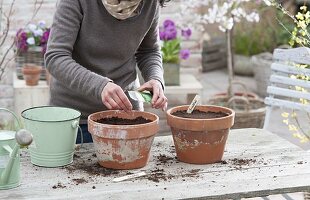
(200, 141)
(123, 146)
(31, 73)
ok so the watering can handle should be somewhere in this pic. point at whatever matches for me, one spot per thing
(75, 124)
(16, 118)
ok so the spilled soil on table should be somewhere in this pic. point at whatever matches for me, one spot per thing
(79, 180)
(236, 161)
(91, 167)
(164, 159)
(87, 163)
(58, 185)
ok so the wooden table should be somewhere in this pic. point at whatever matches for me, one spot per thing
(255, 163)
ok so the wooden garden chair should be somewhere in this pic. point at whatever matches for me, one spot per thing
(282, 91)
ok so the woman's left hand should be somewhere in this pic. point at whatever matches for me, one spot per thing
(159, 99)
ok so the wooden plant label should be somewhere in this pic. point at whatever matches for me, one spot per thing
(193, 104)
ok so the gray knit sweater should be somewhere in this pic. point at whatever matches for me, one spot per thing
(88, 48)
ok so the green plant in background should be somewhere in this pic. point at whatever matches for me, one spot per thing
(300, 35)
(171, 43)
(170, 51)
(265, 36)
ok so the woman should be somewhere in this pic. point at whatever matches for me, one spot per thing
(93, 51)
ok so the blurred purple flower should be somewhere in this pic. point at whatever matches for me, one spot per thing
(171, 48)
(170, 33)
(36, 35)
(45, 36)
(186, 33)
(21, 35)
(21, 40)
(168, 23)
(22, 46)
(184, 54)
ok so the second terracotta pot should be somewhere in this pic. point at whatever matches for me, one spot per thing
(200, 141)
(31, 74)
(123, 146)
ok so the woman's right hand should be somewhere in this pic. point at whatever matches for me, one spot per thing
(114, 98)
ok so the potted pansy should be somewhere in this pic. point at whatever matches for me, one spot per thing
(172, 53)
(34, 36)
(30, 46)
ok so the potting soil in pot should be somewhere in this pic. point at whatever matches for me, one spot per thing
(197, 114)
(121, 121)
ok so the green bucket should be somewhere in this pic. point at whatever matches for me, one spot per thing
(54, 131)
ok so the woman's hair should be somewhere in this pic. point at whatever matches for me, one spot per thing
(162, 2)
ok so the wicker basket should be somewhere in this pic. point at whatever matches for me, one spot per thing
(33, 55)
(250, 112)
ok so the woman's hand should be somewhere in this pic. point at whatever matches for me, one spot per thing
(114, 98)
(159, 99)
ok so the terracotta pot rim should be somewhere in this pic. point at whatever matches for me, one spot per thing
(123, 132)
(185, 107)
(32, 69)
(124, 126)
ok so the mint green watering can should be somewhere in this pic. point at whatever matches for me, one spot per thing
(10, 144)
(54, 131)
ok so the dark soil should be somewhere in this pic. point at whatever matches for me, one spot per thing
(91, 168)
(159, 174)
(197, 114)
(236, 161)
(192, 173)
(59, 185)
(224, 162)
(79, 181)
(163, 159)
(121, 121)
